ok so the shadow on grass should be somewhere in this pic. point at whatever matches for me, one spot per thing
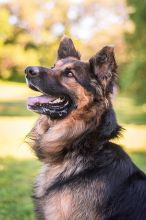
(18, 108)
(16, 179)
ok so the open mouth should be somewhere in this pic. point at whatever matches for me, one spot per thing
(53, 106)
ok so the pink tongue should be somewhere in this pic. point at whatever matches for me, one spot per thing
(40, 99)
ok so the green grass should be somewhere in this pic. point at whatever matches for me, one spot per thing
(16, 178)
(18, 167)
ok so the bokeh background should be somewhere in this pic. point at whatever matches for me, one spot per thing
(30, 32)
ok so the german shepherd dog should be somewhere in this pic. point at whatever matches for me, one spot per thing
(84, 175)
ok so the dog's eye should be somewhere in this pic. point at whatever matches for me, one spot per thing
(68, 73)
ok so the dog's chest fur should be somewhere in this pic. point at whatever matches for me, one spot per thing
(62, 204)
(56, 205)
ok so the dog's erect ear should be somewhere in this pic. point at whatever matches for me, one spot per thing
(103, 65)
(67, 49)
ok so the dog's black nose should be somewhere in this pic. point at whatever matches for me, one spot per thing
(32, 71)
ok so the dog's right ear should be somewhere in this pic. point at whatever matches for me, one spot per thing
(103, 66)
(67, 49)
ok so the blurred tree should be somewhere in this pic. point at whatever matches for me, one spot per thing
(134, 75)
(30, 32)
(25, 38)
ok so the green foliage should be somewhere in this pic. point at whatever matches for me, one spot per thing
(26, 36)
(30, 32)
(133, 80)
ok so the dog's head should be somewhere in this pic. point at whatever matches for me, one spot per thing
(75, 96)
(72, 85)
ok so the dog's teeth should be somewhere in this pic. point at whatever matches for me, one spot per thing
(58, 100)
(44, 109)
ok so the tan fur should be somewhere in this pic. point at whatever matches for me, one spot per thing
(58, 206)
(62, 205)
(60, 63)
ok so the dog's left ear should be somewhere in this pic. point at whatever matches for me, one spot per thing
(67, 49)
(103, 65)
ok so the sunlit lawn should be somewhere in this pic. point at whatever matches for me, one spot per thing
(18, 166)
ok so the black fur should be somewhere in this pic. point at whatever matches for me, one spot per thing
(67, 49)
(103, 182)
(124, 193)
